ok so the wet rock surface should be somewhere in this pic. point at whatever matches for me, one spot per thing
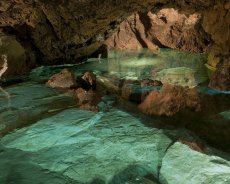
(22, 104)
(86, 147)
(144, 30)
(118, 144)
(83, 88)
(89, 80)
(170, 100)
(212, 170)
(63, 79)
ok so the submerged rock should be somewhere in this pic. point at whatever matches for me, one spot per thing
(170, 100)
(182, 165)
(114, 147)
(64, 79)
(91, 97)
(28, 102)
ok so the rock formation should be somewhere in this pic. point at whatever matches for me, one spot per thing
(166, 28)
(57, 31)
(170, 100)
(63, 79)
(84, 88)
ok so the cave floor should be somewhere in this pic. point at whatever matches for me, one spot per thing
(46, 139)
(78, 146)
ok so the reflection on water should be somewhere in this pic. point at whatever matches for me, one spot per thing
(180, 68)
(55, 142)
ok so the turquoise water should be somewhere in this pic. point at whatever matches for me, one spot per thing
(46, 138)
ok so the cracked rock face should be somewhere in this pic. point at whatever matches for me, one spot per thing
(166, 28)
(58, 31)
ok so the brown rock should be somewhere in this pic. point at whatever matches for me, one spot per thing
(166, 28)
(90, 97)
(216, 22)
(177, 30)
(221, 78)
(131, 35)
(89, 80)
(89, 107)
(148, 83)
(131, 90)
(170, 100)
(63, 79)
(74, 29)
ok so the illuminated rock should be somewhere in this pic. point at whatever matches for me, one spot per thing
(180, 76)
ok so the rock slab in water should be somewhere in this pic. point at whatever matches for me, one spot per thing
(182, 165)
(63, 79)
(28, 102)
(170, 100)
(84, 147)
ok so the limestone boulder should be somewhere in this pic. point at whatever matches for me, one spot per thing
(194, 167)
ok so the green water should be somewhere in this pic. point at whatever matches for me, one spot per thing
(46, 138)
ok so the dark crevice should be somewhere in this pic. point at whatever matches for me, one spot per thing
(141, 41)
(145, 20)
(138, 35)
(158, 43)
(23, 36)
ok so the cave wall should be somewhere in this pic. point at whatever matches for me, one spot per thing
(167, 28)
(68, 30)
(58, 31)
